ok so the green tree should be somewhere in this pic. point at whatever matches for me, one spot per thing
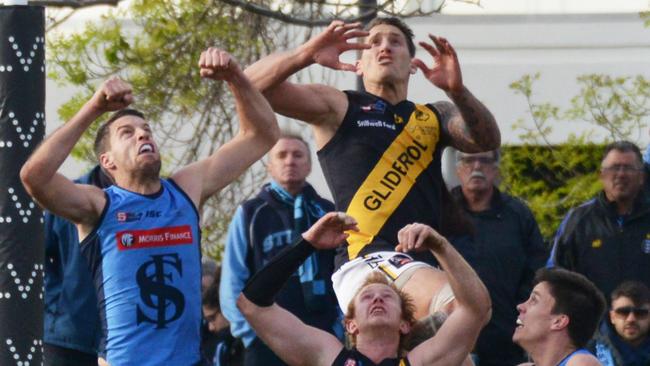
(552, 178)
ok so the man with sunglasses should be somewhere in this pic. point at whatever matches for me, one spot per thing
(608, 237)
(505, 248)
(625, 339)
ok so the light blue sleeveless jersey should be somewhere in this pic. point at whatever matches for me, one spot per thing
(576, 352)
(145, 259)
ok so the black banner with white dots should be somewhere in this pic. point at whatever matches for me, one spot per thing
(22, 126)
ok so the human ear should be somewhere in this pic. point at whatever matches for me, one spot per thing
(357, 64)
(404, 327)
(561, 321)
(106, 161)
(351, 327)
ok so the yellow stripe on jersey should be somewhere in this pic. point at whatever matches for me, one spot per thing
(402, 362)
(393, 177)
(386, 269)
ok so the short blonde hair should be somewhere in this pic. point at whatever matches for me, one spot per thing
(406, 302)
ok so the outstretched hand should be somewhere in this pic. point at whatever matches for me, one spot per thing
(326, 48)
(114, 94)
(418, 237)
(218, 64)
(329, 231)
(445, 72)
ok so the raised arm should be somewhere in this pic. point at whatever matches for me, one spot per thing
(288, 337)
(319, 105)
(455, 339)
(79, 203)
(258, 131)
(467, 124)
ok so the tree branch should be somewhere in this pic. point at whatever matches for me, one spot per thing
(73, 3)
(286, 18)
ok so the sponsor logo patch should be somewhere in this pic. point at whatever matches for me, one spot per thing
(399, 260)
(158, 237)
(123, 216)
(375, 123)
(377, 107)
(350, 362)
(597, 243)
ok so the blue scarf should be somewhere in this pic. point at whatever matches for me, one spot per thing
(305, 212)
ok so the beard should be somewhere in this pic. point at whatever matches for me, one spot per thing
(150, 170)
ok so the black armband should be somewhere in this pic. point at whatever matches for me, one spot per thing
(267, 282)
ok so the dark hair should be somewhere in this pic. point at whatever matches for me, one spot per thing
(210, 297)
(101, 138)
(636, 291)
(576, 297)
(399, 24)
(623, 146)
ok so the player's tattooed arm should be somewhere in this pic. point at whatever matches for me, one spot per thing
(467, 124)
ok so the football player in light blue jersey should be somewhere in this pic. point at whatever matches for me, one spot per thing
(141, 235)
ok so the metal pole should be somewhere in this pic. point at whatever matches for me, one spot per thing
(22, 126)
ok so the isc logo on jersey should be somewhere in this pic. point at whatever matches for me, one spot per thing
(157, 237)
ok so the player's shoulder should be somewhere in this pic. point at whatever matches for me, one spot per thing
(583, 359)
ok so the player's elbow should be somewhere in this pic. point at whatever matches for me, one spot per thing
(489, 141)
(494, 142)
(487, 315)
(480, 307)
(30, 177)
(271, 135)
(484, 309)
(245, 306)
(265, 137)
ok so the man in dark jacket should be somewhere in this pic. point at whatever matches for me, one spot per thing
(71, 320)
(264, 226)
(505, 248)
(608, 237)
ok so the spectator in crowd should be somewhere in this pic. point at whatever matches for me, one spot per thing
(141, 235)
(380, 152)
(379, 316)
(608, 237)
(265, 225)
(71, 328)
(209, 270)
(624, 340)
(506, 249)
(559, 318)
(219, 345)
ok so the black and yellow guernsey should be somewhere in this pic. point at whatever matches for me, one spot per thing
(383, 168)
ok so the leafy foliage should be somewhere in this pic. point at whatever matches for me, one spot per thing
(552, 178)
(155, 45)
